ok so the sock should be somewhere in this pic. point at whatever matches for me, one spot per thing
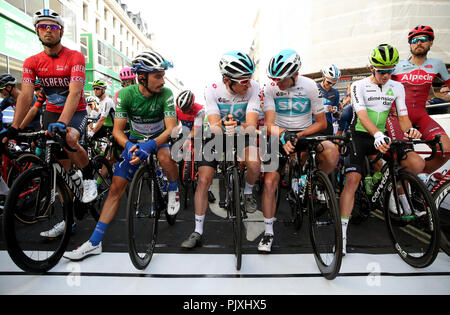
(88, 171)
(210, 188)
(199, 220)
(99, 231)
(344, 221)
(173, 186)
(405, 204)
(248, 190)
(268, 225)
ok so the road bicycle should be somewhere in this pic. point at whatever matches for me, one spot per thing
(147, 200)
(46, 195)
(188, 173)
(312, 194)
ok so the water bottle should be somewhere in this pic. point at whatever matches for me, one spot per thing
(433, 180)
(368, 185)
(295, 185)
(162, 180)
(302, 183)
(376, 178)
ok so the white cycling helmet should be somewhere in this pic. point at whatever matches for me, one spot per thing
(185, 100)
(150, 61)
(236, 65)
(47, 15)
(91, 99)
(284, 65)
(332, 72)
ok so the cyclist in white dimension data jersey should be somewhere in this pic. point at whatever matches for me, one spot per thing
(290, 102)
(372, 99)
(235, 97)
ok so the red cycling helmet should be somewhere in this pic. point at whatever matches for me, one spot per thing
(421, 30)
(126, 73)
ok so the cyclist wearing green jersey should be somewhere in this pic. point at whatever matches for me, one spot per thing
(149, 109)
(372, 98)
(107, 109)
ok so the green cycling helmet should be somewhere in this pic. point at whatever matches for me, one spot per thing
(99, 83)
(384, 55)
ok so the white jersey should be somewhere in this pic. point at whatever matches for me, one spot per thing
(220, 101)
(377, 101)
(106, 105)
(295, 106)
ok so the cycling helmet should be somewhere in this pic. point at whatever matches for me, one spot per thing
(99, 83)
(150, 61)
(126, 74)
(7, 79)
(421, 30)
(47, 15)
(332, 72)
(384, 55)
(236, 64)
(91, 99)
(284, 65)
(185, 100)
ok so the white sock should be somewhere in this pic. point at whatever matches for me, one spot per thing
(210, 188)
(268, 225)
(405, 204)
(344, 222)
(248, 190)
(199, 220)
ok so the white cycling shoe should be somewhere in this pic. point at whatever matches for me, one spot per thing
(173, 205)
(85, 250)
(90, 190)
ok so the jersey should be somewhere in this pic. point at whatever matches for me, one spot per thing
(295, 106)
(193, 119)
(329, 98)
(55, 75)
(107, 109)
(145, 115)
(220, 101)
(377, 101)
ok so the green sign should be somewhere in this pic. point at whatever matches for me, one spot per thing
(17, 41)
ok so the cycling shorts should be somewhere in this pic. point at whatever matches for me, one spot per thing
(364, 145)
(78, 121)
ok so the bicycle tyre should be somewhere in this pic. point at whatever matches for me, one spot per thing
(26, 247)
(325, 225)
(296, 208)
(141, 252)
(237, 221)
(98, 162)
(414, 235)
(441, 194)
(24, 161)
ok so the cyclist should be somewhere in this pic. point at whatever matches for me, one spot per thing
(233, 99)
(290, 102)
(330, 96)
(191, 115)
(127, 77)
(149, 106)
(11, 94)
(92, 107)
(372, 99)
(417, 74)
(61, 72)
(107, 109)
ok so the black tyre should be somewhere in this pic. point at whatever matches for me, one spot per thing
(325, 226)
(103, 174)
(143, 213)
(294, 200)
(442, 199)
(237, 220)
(415, 237)
(22, 163)
(27, 248)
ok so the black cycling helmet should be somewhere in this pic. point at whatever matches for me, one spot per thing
(7, 79)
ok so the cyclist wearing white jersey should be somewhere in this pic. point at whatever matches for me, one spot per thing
(290, 102)
(235, 97)
(372, 99)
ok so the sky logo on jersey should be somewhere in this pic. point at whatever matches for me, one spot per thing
(237, 110)
(292, 106)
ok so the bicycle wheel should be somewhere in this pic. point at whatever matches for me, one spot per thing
(442, 199)
(23, 241)
(294, 200)
(143, 212)
(237, 218)
(415, 237)
(21, 164)
(103, 174)
(325, 226)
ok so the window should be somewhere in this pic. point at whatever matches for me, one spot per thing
(104, 55)
(19, 4)
(105, 37)
(29, 7)
(16, 70)
(119, 62)
(84, 48)
(69, 19)
(85, 12)
(97, 26)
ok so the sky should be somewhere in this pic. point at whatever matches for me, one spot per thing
(195, 34)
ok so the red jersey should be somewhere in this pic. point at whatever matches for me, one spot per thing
(55, 75)
(192, 119)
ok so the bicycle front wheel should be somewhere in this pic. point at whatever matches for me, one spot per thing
(143, 215)
(237, 219)
(25, 245)
(325, 226)
(103, 174)
(414, 229)
(442, 199)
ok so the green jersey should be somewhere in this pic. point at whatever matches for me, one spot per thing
(145, 115)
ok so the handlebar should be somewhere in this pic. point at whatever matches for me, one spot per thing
(57, 136)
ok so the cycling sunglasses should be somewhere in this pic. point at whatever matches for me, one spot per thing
(385, 71)
(241, 81)
(423, 39)
(331, 83)
(52, 27)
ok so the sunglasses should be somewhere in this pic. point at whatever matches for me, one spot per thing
(423, 39)
(275, 79)
(330, 83)
(385, 71)
(98, 88)
(242, 82)
(52, 27)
